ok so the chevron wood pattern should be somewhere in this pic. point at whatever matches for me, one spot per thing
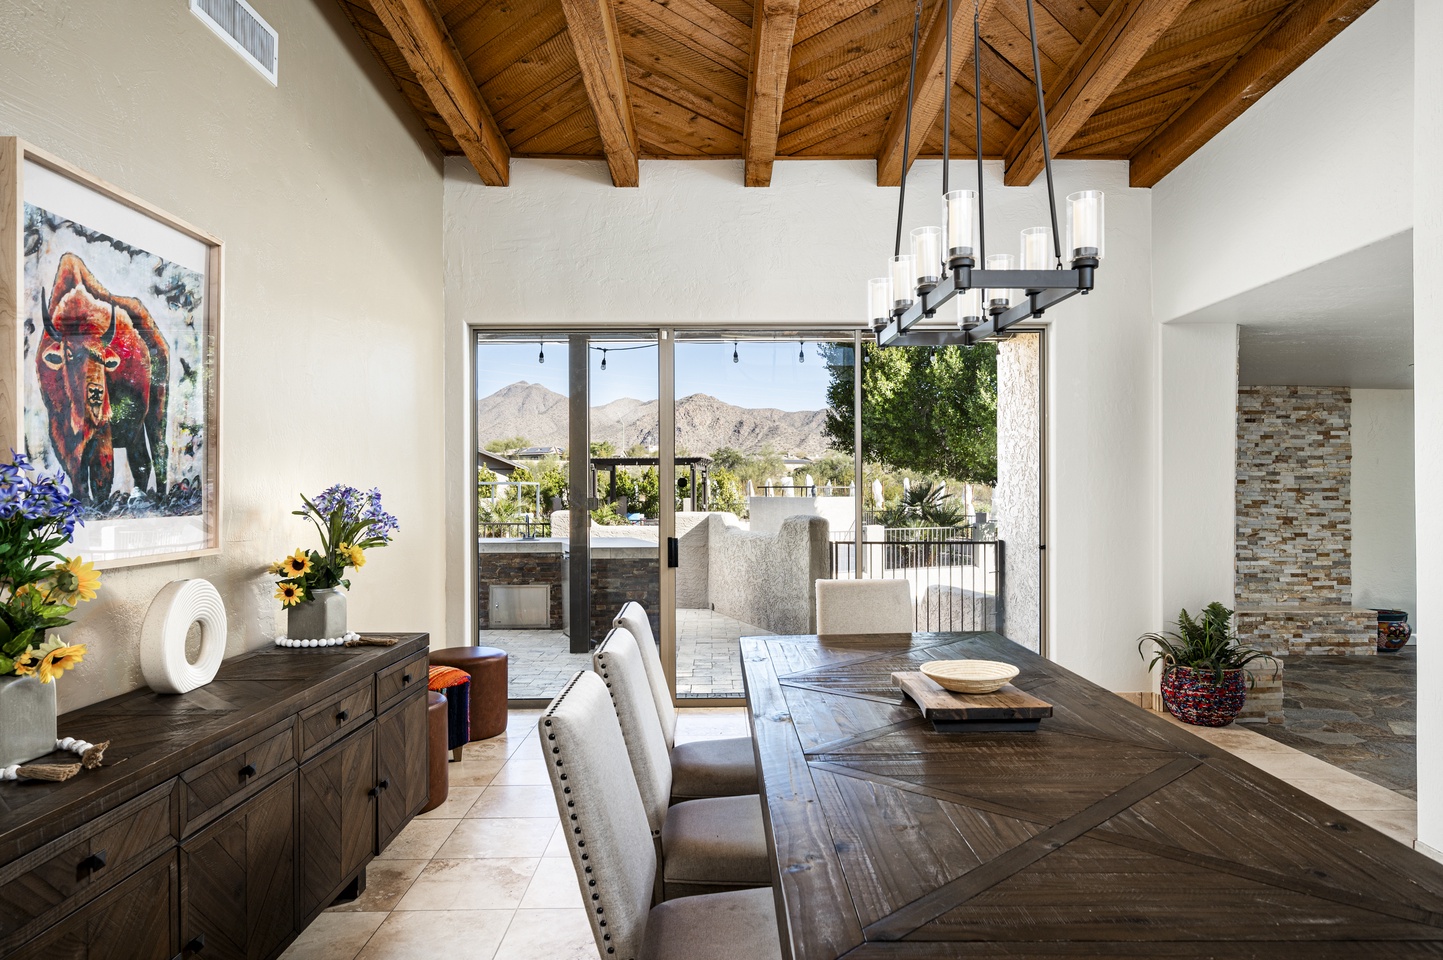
(1106, 833)
(132, 922)
(1147, 81)
(337, 818)
(403, 769)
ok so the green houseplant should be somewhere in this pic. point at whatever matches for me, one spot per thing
(1203, 680)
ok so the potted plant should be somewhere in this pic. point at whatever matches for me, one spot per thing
(39, 590)
(1203, 680)
(350, 522)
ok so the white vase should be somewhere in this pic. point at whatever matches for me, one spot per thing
(27, 719)
(322, 617)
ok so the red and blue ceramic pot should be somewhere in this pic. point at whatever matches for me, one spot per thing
(1393, 630)
(1192, 695)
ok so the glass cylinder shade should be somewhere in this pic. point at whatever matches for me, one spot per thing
(1084, 224)
(969, 308)
(960, 205)
(1000, 298)
(1036, 249)
(902, 277)
(879, 299)
(927, 256)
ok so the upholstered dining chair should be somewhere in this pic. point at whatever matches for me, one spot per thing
(706, 845)
(609, 841)
(864, 606)
(707, 768)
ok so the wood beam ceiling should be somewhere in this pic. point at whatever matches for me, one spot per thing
(932, 83)
(427, 46)
(1124, 34)
(774, 23)
(594, 35)
(1298, 32)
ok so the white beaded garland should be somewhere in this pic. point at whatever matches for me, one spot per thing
(330, 642)
(69, 744)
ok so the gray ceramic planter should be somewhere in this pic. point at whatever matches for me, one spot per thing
(27, 719)
(322, 617)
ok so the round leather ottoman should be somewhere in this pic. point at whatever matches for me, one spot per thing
(436, 750)
(487, 667)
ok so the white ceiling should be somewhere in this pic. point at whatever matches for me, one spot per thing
(1347, 322)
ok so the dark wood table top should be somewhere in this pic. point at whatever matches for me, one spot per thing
(1109, 832)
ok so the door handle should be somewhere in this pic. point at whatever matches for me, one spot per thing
(673, 552)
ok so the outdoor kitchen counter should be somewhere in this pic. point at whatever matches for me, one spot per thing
(1109, 832)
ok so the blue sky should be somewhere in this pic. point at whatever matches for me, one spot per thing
(767, 373)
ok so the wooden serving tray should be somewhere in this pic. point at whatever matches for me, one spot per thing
(1007, 709)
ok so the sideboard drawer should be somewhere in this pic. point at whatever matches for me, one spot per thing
(209, 789)
(48, 882)
(396, 680)
(337, 716)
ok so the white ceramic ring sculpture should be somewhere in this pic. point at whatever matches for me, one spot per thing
(174, 610)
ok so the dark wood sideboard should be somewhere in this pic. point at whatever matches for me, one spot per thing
(225, 819)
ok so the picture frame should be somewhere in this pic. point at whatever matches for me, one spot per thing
(110, 357)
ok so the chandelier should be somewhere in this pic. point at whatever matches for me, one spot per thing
(943, 263)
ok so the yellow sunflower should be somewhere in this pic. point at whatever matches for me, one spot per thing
(352, 554)
(59, 659)
(75, 582)
(26, 663)
(289, 594)
(296, 565)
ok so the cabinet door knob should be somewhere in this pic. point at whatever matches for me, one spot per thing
(373, 792)
(196, 944)
(405, 678)
(343, 716)
(249, 770)
(95, 861)
(384, 784)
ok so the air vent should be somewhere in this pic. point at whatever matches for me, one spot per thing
(243, 30)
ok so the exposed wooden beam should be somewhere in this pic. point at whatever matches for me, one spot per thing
(1120, 39)
(1298, 32)
(594, 35)
(774, 22)
(427, 46)
(932, 83)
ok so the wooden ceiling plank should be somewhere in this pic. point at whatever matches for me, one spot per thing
(427, 47)
(1205, 18)
(661, 121)
(717, 109)
(1299, 32)
(557, 137)
(1114, 47)
(650, 51)
(698, 25)
(1211, 53)
(1005, 88)
(931, 85)
(773, 24)
(856, 36)
(860, 113)
(531, 76)
(1075, 16)
(859, 143)
(826, 16)
(550, 107)
(597, 41)
(829, 74)
(1003, 34)
(827, 109)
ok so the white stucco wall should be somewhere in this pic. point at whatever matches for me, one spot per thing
(1384, 558)
(1015, 499)
(1428, 409)
(1320, 166)
(329, 205)
(692, 246)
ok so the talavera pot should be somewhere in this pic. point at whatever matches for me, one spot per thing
(322, 617)
(27, 719)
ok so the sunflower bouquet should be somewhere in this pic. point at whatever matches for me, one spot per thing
(39, 586)
(350, 522)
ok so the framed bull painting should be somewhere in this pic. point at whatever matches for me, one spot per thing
(110, 357)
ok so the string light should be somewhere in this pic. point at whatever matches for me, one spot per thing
(735, 357)
(801, 352)
(603, 358)
(541, 357)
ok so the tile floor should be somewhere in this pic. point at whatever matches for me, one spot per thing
(486, 876)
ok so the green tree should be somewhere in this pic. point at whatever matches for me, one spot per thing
(648, 492)
(640, 450)
(506, 444)
(602, 448)
(726, 493)
(929, 409)
(834, 468)
(554, 483)
(728, 458)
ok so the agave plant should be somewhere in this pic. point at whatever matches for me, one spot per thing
(1206, 642)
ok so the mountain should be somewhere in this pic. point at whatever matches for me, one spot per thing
(704, 423)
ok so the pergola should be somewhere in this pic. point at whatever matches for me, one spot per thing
(609, 464)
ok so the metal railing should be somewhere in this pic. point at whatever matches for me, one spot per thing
(514, 529)
(957, 583)
(803, 490)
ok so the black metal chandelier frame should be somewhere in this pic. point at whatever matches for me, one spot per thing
(1040, 289)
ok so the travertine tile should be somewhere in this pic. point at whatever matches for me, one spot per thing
(473, 773)
(1401, 825)
(515, 801)
(419, 840)
(557, 847)
(334, 936)
(459, 799)
(524, 769)
(428, 935)
(553, 886)
(470, 884)
(1347, 792)
(499, 837)
(386, 882)
(548, 935)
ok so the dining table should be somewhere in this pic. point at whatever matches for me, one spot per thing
(1107, 832)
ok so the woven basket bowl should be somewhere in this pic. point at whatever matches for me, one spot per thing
(970, 676)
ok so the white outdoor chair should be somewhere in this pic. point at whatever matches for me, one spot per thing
(865, 606)
(707, 845)
(707, 768)
(610, 845)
